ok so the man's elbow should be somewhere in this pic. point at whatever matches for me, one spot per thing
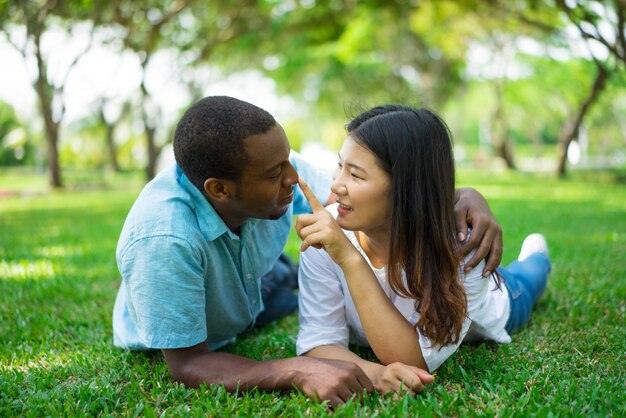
(178, 375)
(182, 372)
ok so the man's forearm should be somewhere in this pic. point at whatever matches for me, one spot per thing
(234, 372)
(332, 380)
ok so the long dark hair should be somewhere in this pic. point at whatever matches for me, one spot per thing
(414, 146)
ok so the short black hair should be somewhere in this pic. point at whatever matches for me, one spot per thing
(209, 137)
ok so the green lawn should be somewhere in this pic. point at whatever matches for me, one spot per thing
(58, 281)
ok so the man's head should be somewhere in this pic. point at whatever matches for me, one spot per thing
(209, 138)
(238, 156)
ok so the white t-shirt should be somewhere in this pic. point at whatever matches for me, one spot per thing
(328, 316)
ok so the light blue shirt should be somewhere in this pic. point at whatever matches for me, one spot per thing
(186, 277)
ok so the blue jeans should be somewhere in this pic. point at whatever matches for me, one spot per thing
(526, 281)
(277, 291)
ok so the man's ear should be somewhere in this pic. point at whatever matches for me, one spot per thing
(220, 189)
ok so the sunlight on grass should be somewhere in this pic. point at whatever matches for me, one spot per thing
(24, 269)
(45, 361)
(599, 238)
(58, 251)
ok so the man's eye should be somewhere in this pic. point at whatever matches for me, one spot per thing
(355, 176)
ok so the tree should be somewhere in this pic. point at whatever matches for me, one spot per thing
(602, 26)
(36, 18)
(110, 118)
(144, 26)
(339, 54)
(592, 19)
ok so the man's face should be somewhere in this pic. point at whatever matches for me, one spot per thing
(265, 189)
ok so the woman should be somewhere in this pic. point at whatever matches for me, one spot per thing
(387, 273)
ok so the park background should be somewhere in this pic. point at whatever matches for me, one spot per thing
(534, 93)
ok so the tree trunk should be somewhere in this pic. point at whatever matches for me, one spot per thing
(110, 140)
(52, 127)
(111, 148)
(500, 130)
(153, 152)
(572, 126)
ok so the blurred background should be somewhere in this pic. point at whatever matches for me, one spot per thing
(91, 90)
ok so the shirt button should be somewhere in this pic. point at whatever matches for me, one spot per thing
(249, 276)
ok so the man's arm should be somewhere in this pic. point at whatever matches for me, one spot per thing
(332, 380)
(471, 209)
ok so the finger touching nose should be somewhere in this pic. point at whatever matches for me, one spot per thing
(291, 176)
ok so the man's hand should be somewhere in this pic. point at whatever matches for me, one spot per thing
(471, 209)
(400, 377)
(335, 381)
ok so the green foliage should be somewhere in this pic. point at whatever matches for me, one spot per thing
(332, 57)
(16, 145)
(58, 279)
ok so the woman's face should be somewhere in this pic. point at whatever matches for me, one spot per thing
(362, 188)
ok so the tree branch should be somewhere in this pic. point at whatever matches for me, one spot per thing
(576, 21)
(620, 10)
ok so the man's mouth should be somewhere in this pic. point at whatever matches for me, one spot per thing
(288, 199)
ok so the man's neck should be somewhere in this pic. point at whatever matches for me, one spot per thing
(232, 220)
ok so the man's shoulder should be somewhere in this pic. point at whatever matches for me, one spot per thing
(162, 209)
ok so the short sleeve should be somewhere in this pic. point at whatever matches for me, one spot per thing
(164, 285)
(322, 313)
(318, 181)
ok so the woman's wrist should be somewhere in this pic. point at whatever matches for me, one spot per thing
(352, 261)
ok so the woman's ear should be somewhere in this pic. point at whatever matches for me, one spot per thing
(219, 189)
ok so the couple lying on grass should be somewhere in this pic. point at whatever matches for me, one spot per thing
(394, 261)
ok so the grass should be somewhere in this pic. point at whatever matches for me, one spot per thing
(58, 281)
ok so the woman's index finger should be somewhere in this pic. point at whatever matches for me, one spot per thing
(316, 206)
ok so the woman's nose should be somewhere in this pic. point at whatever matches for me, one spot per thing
(338, 187)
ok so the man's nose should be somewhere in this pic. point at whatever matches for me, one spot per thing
(291, 176)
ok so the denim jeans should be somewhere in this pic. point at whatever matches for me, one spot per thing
(526, 281)
(277, 291)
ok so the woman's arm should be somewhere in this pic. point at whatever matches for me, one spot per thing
(390, 334)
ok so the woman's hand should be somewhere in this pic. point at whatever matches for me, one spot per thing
(401, 378)
(320, 230)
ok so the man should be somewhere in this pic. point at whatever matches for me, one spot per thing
(202, 234)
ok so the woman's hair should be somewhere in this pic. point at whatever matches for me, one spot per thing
(414, 147)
